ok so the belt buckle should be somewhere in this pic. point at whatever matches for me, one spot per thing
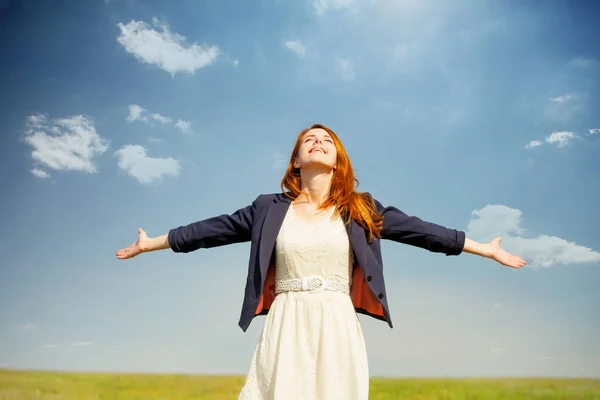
(322, 281)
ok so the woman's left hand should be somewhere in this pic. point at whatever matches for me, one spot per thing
(502, 256)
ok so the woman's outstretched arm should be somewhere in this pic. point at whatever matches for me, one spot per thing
(144, 244)
(399, 227)
(211, 232)
(493, 251)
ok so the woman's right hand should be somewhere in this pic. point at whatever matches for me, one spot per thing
(139, 246)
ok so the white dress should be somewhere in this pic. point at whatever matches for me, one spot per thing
(312, 345)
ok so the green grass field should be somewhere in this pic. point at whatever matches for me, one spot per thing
(24, 385)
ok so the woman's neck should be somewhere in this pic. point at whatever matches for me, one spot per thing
(315, 187)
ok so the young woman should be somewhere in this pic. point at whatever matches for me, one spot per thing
(315, 262)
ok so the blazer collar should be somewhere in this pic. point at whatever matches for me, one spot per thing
(282, 198)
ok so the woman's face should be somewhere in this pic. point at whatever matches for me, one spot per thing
(316, 149)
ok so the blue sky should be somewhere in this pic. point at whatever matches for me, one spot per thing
(122, 114)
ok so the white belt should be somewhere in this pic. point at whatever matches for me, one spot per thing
(312, 284)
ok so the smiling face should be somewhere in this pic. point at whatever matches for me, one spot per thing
(317, 149)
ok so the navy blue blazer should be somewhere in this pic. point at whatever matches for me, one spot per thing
(260, 222)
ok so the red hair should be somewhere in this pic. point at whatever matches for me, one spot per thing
(342, 194)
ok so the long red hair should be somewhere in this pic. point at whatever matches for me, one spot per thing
(342, 194)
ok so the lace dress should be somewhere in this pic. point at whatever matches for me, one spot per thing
(312, 345)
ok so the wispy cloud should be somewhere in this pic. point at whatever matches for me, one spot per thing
(563, 99)
(40, 173)
(483, 30)
(280, 162)
(345, 68)
(135, 113)
(49, 346)
(296, 47)
(82, 343)
(404, 57)
(160, 118)
(322, 6)
(564, 107)
(28, 327)
(540, 251)
(163, 48)
(147, 170)
(560, 139)
(595, 131)
(139, 113)
(582, 62)
(65, 144)
(184, 126)
(534, 143)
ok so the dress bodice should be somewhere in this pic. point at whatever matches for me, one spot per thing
(319, 247)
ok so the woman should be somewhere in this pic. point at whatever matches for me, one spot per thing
(315, 262)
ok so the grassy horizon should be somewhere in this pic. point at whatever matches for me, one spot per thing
(65, 385)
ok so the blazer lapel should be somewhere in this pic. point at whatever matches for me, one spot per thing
(356, 234)
(269, 231)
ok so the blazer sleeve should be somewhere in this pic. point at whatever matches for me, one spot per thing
(399, 227)
(215, 231)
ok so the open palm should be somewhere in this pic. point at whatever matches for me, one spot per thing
(503, 257)
(137, 247)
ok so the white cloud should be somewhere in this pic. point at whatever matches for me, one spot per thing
(28, 327)
(40, 173)
(135, 113)
(345, 68)
(595, 131)
(540, 251)
(49, 346)
(236, 62)
(160, 118)
(164, 48)
(65, 144)
(565, 107)
(501, 219)
(563, 99)
(184, 126)
(147, 170)
(297, 47)
(534, 143)
(139, 113)
(561, 139)
(322, 6)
